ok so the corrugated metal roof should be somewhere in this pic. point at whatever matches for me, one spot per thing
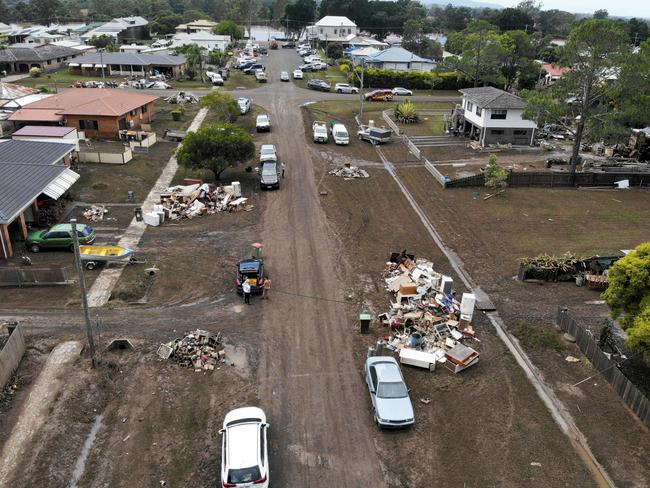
(21, 184)
(43, 131)
(33, 152)
(135, 59)
(490, 97)
(397, 55)
(61, 184)
(10, 91)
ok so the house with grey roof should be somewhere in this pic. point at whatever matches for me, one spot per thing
(31, 174)
(494, 116)
(399, 59)
(20, 58)
(121, 29)
(128, 64)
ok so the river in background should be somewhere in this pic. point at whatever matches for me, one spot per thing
(266, 33)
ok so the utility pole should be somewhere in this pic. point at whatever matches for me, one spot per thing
(360, 78)
(101, 60)
(82, 290)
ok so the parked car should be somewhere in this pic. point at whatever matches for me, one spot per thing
(263, 50)
(306, 67)
(391, 403)
(263, 123)
(374, 135)
(345, 88)
(314, 58)
(244, 451)
(59, 237)
(267, 152)
(252, 69)
(215, 78)
(319, 85)
(244, 105)
(288, 45)
(379, 95)
(245, 63)
(339, 134)
(319, 130)
(270, 174)
(251, 270)
(319, 66)
(260, 76)
(284, 76)
(399, 91)
(297, 74)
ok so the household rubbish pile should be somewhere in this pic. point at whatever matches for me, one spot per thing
(429, 325)
(181, 98)
(189, 201)
(95, 213)
(200, 349)
(349, 172)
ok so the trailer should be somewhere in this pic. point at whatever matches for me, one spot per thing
(175, 135)
(374, 135)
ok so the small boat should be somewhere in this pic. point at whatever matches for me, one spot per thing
(93, 255)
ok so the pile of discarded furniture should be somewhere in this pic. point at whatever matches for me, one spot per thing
(95, 213)
(182, 98)
(428, 325)
(349, 172)
(200, 349)
(189, 201)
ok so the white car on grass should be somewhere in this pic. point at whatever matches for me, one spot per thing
(399, 91)
(244, 452)
(263, 123)
(244, 105)
(345, 88)
(297, 74)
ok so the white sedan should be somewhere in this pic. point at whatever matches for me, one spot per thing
(297, 74)
(284, 76)
(401, 91)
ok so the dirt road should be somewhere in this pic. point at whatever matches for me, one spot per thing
(311, 389)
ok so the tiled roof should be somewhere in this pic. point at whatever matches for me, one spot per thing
(43, 52)
(490, 97)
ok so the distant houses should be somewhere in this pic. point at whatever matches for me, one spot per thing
(399, 59)
(203, 39)
(121, 29)
(201, 25)
(129, 64)
(20, 58)
(332, 28)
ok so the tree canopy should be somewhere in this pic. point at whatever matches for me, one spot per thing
(165, 22)
(628, 296)
(229, 28)
(223, 105)
(216, 147)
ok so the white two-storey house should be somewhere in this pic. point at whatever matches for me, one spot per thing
(495, 116)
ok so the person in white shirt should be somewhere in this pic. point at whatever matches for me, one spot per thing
(246, 289)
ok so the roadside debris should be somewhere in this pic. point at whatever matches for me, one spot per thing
(189, 201)
(181, 98)
(95, 213)
(571, 359)
(428, 324)
(591, 271)
(199, 349)
(349, 172)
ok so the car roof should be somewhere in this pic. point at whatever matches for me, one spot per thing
(243, 445)
(386, 367)
(67, 227)
(267, 146)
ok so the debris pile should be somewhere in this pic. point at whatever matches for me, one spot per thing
(428, 324)
(95, 213)
(199, 349)
(189, 201)
(181, 98)
(349, 172)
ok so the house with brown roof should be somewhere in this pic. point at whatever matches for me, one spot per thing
(99, 113)
(553, 73)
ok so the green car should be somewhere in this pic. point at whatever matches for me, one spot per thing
(59, 237)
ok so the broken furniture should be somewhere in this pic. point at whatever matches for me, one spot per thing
(199, 349)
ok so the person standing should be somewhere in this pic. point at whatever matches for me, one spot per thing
(266, 288)
(283, 168)
(246, 290)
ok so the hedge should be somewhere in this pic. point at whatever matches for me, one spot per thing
(387, 78)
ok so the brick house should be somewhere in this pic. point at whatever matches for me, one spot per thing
(20, 58)
(99, 113)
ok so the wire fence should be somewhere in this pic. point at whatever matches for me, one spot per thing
(606, 366)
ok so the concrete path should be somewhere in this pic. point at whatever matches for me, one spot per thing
(37, 407)
(100, 292)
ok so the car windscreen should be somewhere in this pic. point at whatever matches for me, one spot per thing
(269, 170)
(341, 134)
(244, 475)
(392, 389)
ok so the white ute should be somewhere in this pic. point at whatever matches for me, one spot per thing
(319, 129)
(244, 452)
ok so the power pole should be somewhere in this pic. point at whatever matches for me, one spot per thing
(361, 98)
(82, 290)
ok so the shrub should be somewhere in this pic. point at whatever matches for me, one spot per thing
(387, 78)
(35, 72)
(176, 114)
(406, 113)
(496, 176)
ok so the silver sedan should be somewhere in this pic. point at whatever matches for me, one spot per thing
(399, 91)
(391, 403)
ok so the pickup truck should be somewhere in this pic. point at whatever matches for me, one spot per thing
(320, 131)
(374, 135)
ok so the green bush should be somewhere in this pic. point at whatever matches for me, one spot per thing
(35, 72)
(387, 78)
(406, 113)
(177, 114)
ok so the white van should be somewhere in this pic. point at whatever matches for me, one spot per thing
(340, 134)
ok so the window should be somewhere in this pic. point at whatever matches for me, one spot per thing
(349, 31)
(470, 106)
(133, 112)
(115, 67)
(335, 31)
(144, 109)
(262, 442)
(57, 235)
(373, 376)
(321, 30)
(496, 132)
(499, 114)
(520, 132)
(88, 124)
(49, 61)
(479, 111)
(122, 124)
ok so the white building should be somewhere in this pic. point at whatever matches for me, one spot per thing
(203, 39)
(83, 48)
(332, 28)
(399, 59)
(200, 25)
(494, 116)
